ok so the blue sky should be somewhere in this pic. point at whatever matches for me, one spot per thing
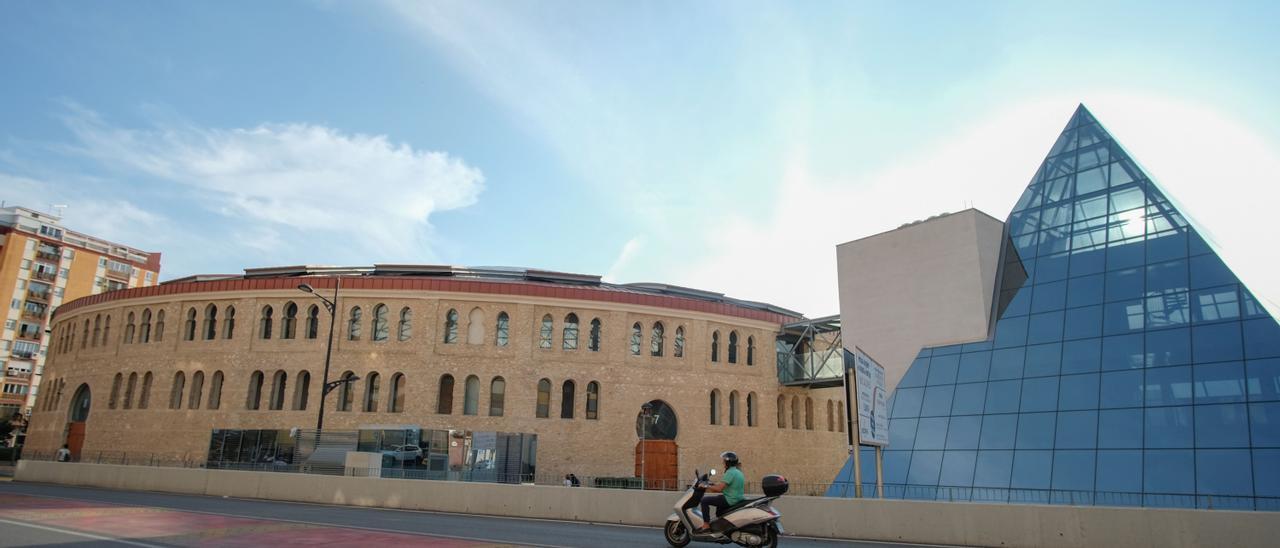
(722, 145)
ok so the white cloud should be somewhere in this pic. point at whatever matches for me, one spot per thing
(625, 256)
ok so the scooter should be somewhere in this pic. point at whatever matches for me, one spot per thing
(752, 522)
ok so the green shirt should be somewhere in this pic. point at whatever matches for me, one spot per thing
(733, 483)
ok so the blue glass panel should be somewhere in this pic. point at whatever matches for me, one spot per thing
(1252, 308)
(1035, 430)
(1019, 304)
(969, 399)
(869, 463)
(1042, 360)
(896, 464)
(1122, 352)
(902, 433)
(1040, 394)
(1078, 392)
(1073, 470)
(924, 468)
(1011, 332)
(1224, 472)
(1128, 255)
(1084, 291)
(1050, 296)
(1120, 429)
(1215, 304)
(1091, 180)
(1197, 245)
(993, 469)
(1263, 379)
(942, 369)
(1170, 276)
(1007, 363)
(937, 401)
(907, 402)
(1209, 271)
(974, 366)
(1126, 199)
(1168, 309)
(1169, 471)
(957, 468)
(1050, 268)
(1032, 469)
(1168, 386)
(946, 350)
(1091, 261)
(963, 432)
(1083, 323)
(998, 431)
(1121, 389)
(976, 346)
(1222, 425)
(1002, 396)
(1261, 338)
(1168, 347)
(1124, 284)
(1123, 317)
(1168, 245)
(916, 374)
(1218, 342)
(1219, 382)
(1081, 356)
(932, 433)
(1168, 427)
(1264, 424)
(1119, 471)
(1077, 430)
(1266, 475)
(1046, 327)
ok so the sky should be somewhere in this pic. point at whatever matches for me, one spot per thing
(726, 146)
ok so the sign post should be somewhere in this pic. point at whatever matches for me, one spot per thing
(871, 402)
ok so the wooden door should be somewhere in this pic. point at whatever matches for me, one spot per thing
(660, 462)
(75, 439)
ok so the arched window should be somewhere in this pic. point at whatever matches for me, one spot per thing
(215, 391)
(159, 334)
(751, 409)
(733, 347)
(840, 415)
(751, 350)
(593, 343)
(471, 396)
(210, 322)
(655, 340)
(347, 391)
(289, 323)
(229, 323)
(475, 326)
(264, 324)
(129, 390)
(404, 331)
(395, 403)
(451, 327)
(106, 330)
(569, 340)
(197, 390)
(733, 408)
(715, 346)
(353, 323)
(544, 399)
(144, 332)
(808, 413)
(80, 404)
(544, 334)
(97, 329)
(115, 391)
(497, 396)
(128, 330)
(715, 406)
(301, 390)
(371, 392)
(313, 322)
(831, 416)
(278, 382)
(189, 328)
(593, 400)
(175, 393)
(637, 335)
(677, 349)
(503, 330)
(795, 412)
(84, 340)
(253, 398)
(144, 398)
(381, 327)
(444, 398)
(566, 400)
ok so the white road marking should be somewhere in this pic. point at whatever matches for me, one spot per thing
(79, 534)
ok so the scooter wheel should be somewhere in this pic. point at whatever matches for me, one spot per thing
(677, 534)
(770, 538)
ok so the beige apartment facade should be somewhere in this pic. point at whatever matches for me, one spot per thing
(565, 357)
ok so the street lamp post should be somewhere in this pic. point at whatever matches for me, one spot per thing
(326, 386)
(645, 410)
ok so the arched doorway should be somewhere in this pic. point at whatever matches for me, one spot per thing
(657, 456)
(76, 416)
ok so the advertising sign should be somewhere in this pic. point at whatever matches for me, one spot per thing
(872, 400)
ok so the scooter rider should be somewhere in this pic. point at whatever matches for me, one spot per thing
(731, 485)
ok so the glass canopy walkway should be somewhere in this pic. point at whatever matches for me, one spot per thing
(811, 353)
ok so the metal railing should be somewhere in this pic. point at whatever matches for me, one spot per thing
(1056, 497)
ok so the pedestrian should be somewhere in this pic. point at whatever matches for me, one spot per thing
(64, 454)
(568, 482)
(573, 480)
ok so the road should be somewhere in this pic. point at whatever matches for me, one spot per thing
(41, 514)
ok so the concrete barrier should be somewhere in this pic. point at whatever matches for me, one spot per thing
(947, 523)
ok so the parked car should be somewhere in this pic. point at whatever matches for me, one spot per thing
(404, 453)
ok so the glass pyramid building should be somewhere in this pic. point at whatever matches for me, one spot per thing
(1127, 364)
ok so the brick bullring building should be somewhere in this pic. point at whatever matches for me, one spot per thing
(565, 357)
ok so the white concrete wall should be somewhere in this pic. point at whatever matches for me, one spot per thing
(903, 521)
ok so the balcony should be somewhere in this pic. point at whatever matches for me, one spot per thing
(50, 256)
(42, 296)
(45, 276)
(36, 315)
(24, 354)
(13, 398)
(120, 274)
(29, 335)
(18, 375)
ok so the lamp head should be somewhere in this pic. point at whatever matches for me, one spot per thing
(306, 288)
